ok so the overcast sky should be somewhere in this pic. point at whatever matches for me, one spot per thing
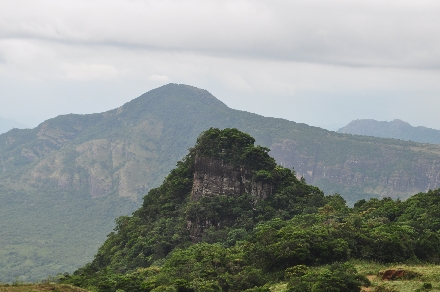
(323, 62)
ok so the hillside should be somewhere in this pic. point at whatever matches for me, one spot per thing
(227, 218)
(39, 288)
(396, 129)
(63, 182)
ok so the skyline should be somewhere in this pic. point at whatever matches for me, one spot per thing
(320, 63)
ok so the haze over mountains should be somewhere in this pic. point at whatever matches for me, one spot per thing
(63, 183)
(7, 124)
(396, 129)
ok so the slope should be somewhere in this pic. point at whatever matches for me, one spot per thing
(227, 218)
(63, 183)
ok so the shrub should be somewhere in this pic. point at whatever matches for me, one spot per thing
(427, 286)
(383, 288)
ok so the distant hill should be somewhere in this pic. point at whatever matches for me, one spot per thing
(396, 129)
(63, 182)
(7, 124)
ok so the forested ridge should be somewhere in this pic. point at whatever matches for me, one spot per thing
(250, 244)
(63, 182)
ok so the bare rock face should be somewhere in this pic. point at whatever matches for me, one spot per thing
(99, 167)
(213, 178)
(376, 174)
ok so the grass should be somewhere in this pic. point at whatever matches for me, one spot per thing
(429, 274)
(40, 288)
(279, 287)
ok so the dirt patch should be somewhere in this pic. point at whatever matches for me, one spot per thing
(399, 274)
(370, 278)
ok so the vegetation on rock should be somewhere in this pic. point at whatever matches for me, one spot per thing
(254, 244)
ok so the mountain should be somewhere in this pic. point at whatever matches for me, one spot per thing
(7, 124)
(227, 218)
(63, 182)
(396, 129)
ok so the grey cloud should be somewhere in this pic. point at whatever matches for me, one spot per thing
(267, 57)
(374, 33)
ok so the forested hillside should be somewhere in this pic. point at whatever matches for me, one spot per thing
(227, 218)
(63, 183)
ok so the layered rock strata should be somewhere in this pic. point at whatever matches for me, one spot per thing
(213, 178)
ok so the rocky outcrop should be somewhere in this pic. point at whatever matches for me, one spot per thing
(214, 178)
(391, 172)
(98, 167)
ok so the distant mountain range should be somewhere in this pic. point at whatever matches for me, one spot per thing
(396, 129)
(63, 182)
(7, 124)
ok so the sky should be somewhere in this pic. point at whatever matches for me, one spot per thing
(319, 62)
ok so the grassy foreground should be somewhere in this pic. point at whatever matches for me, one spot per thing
(40, 288)
(429, 274)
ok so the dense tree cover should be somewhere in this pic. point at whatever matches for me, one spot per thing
(276, 239)
(338, 278)
(234, 147)
(160, 225)
(31, 250)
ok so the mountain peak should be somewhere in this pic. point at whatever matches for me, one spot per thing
(396, 129)
(399, 122)
(182, 93)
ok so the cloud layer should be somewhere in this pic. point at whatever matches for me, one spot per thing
(353, 33)
(260, 51)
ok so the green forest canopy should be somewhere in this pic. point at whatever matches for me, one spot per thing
(255, 244)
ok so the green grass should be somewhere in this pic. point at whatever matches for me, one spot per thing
(40, 288)
(429, 274)
(279, 287)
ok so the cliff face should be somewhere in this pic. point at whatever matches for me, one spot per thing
(213, 178)
(127, 151)
(390, 172)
